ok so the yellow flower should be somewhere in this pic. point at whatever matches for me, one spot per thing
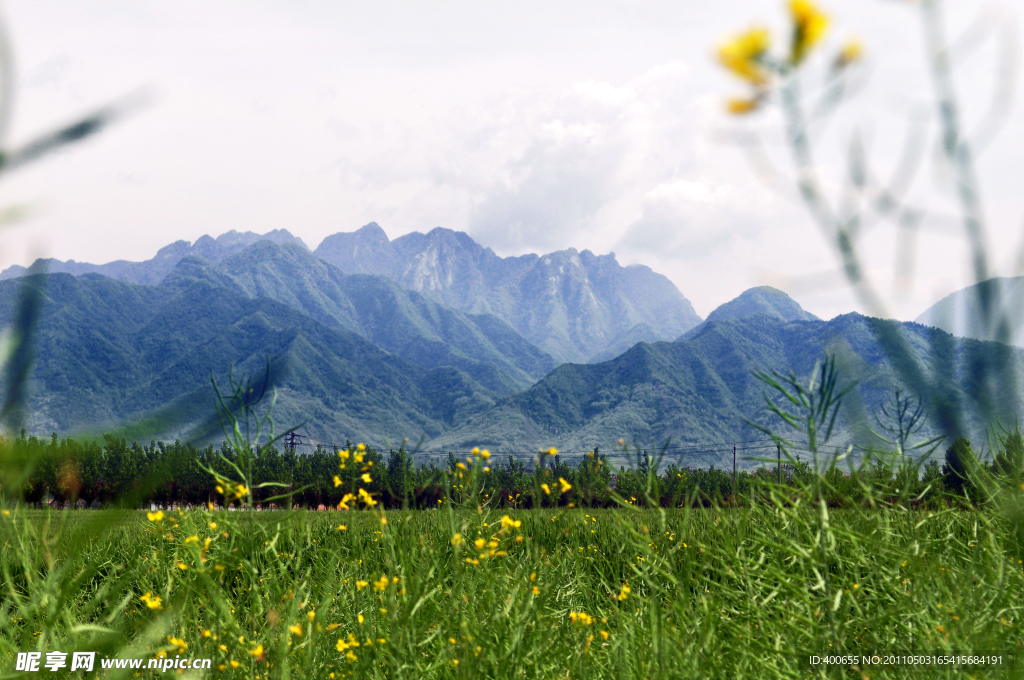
(152, 601)
(337, 481)
(350, 655)
(182, 566)
(383, 519)
(256, 651)
(460, 466)
(235, 664)
(485, 454)
(457, 540)
(157, 516)
(535, 590)
(7, 513)
(604, 635)
(342, 527)
(213, 525)
(546, 488)
(296, 629)
(475, 451)
(361, 447)
(552, 451)
(623, 593)
(179, 643)
(742, 55)
(740, 106)
(343, 454)
(809, 25)
(381, 584)
(367, 498)
(366, 478)
(241, 491)
(206, 633)
(508, 523)
(360, 619)
(582, 618)
(565, 485)
(361, 584)
(852, 51)
(479, 543)
(191, 539)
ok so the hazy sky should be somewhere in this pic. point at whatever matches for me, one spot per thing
(533, 126)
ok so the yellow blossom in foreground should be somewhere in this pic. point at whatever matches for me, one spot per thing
(152, 601)
(480, 543)
(485, 454)
(809, 25)
(256, 651)
(604, 635)
(740, 106)
(366, 478)
(623, 593)
(381, 584)
(337, 481)
(360, 619)
(157, 516)
(565, 485)
(361, 584)
(547, 489)
(342, 527)
(295, 629)
(508, 523)
(852, 51)
(235, 664)
(457, 540)
(742, 55)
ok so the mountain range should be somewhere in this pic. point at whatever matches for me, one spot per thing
(963, 313)
(576, 306)
(430, 352)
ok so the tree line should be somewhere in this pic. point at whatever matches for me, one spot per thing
(116, 472)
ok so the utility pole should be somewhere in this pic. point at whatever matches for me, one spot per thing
(292, 439)
(734, 474)
(779, 447)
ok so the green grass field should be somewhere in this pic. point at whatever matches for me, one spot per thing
(730, 593)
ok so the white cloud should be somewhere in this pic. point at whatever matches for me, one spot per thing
(543, 126)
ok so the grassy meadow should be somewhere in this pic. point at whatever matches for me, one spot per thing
(561, 593)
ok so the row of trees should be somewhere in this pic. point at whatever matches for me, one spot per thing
(116, 472)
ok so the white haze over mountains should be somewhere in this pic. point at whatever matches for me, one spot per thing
(531, 126)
